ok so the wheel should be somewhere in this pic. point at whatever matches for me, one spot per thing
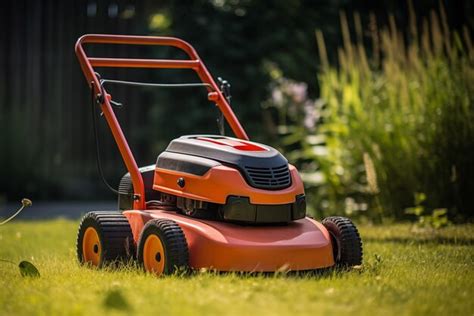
(103, 238)
(162, 247)
(347, 245)
(125, 189)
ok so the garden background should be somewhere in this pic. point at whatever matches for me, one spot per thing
(372, 101)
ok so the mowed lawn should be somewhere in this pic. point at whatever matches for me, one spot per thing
(405, 272)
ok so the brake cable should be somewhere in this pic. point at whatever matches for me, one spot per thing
(100, 99)
(95, 100)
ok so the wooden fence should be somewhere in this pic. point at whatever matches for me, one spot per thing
(45, 113)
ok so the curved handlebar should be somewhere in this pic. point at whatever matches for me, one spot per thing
(138, 40)
(88, 62)
(194, 63)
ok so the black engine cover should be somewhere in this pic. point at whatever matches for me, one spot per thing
(262, 166)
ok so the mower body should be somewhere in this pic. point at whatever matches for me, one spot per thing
(240, 204)
(304, 244)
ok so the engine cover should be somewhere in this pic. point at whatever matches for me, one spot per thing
(262, 166)
(244, 181)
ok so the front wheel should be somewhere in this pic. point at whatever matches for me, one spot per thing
(104, 238)
(162, 248)
(346, 241)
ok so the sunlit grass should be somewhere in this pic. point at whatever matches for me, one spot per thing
(405, 272)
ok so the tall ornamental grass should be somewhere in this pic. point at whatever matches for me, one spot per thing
(400, 123)
(394, 126)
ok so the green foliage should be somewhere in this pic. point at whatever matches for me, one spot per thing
(27, 269)
(396, 123)
(437, 219)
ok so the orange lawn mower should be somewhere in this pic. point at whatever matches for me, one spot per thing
(210, 201)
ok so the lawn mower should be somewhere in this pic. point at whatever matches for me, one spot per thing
(210, 201)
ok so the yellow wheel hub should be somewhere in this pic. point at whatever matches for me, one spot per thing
(154, 255)
(91, 248)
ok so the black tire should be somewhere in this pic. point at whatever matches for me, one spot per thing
(174, 244)
(125, 189)
(346, 241)
(114, 234)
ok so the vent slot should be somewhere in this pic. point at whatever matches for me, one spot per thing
(275, 178)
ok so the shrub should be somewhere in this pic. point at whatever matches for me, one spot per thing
(391, 125)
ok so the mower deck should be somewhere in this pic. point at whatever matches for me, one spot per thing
(300, 245)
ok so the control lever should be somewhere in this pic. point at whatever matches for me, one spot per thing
(225, 89)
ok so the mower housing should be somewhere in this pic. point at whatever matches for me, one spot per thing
(237, 180)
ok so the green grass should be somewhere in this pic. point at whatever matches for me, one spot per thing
(405, 272)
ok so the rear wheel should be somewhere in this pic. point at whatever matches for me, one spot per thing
(162, 248)
(104, 237)
(346, 241)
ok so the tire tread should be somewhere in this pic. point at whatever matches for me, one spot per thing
(350, 243)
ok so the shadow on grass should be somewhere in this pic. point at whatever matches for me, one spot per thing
(325, 273)
(439, 240)
(131, 265)
(319, 274)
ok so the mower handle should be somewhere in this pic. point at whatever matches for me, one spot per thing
(194, 63)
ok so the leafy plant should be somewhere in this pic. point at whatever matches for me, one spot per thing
(394, 118)
(27, 269)
(437, 219)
